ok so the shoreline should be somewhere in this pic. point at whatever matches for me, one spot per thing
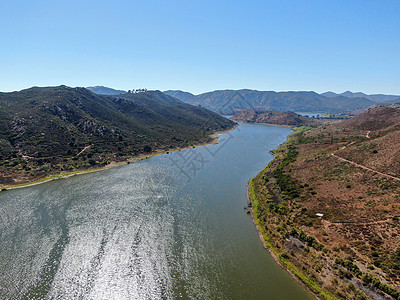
(273, 255)
(261, 236)
(277, 125)
(270, 124)
(59, 176)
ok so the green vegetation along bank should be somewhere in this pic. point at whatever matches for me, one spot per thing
(295, 219)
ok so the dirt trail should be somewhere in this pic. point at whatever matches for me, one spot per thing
(362, 166)
(365, 168)
(27, 157)
(84, 149)
(328, 223)
(344, 147)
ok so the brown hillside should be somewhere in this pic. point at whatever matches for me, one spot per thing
(381, 153)
(375, 118)
(379, 149)
(286, 118)
(329, 203)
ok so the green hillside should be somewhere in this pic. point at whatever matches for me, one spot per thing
(43, 130)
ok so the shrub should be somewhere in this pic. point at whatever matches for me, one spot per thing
(284, 255)
(377, 263)
(285, 182)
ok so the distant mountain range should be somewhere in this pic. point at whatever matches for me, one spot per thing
(52, 126)
(103, 90)
(231, 101)
(373, 97)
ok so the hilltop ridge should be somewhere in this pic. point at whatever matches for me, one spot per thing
(376, 118)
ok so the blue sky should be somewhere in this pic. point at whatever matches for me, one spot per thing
(200, 46)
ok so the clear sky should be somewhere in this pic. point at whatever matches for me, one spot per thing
(200, 46)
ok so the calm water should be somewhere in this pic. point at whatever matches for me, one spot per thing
(169, 227)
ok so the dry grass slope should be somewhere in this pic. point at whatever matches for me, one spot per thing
(352, 251)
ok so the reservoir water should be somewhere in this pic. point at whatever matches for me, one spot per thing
(169, 227)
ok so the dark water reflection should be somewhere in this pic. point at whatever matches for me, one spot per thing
(169, 227)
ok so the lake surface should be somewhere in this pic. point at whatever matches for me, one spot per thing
(170, 227)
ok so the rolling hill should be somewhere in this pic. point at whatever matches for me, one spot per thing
(285, 118)
(44, 130)
(183, 96)
(231, 101)
(377, 118)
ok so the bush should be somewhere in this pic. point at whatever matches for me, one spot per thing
(285, 182)
(278, 208)
(377, 263)
(284, 255)
(370, 279)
